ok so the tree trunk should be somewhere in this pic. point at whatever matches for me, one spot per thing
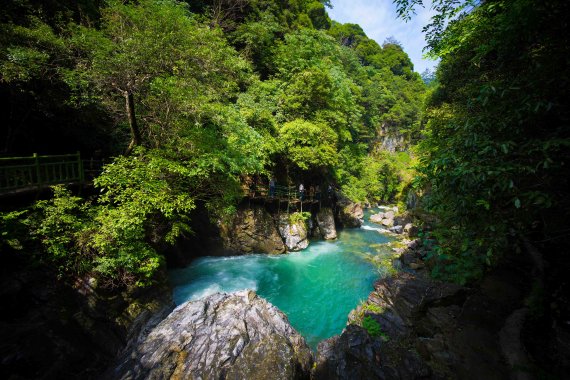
(135, 132)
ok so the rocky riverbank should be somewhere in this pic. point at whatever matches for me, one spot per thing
(421, 328)
(259, 228)
(54, 330)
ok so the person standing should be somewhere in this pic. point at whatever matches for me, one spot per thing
(272, 187)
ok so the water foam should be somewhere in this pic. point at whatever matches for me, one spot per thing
(377, 229)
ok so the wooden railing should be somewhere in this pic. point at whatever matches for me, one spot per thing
(40, 171)
(287, 192)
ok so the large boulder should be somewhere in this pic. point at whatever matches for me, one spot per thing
(388, 219)
(294, 232)
(377, 218)
(325, 224)
(223, 336)
(411, 230)
(252, 230)
(350, 214)
(384, 218)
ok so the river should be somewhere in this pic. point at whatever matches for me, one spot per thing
(316, 288)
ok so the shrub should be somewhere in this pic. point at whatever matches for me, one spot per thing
(373, 328)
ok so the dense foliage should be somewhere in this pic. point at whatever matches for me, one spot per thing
(196, 98)
(495, 159)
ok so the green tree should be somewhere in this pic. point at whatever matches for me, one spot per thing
(142, 49)
(308, 145)
(497, 138)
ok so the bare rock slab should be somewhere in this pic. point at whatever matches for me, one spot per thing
(223, 336)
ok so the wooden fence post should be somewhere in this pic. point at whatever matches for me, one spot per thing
(38, 171)
(80, 168)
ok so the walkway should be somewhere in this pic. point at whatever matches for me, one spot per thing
(20, 174)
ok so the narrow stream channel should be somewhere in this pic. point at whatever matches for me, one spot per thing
(316, 288)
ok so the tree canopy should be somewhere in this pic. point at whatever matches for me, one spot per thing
(192, 99)
(494, 160)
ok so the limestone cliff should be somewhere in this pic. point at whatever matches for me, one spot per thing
(252, 230)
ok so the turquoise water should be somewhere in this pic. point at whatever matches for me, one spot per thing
(316, 288)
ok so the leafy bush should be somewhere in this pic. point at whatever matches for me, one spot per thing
(105, 241)
(379, 177)
(299, 217)
(61, 225)
(373, 328)
(13, 229)
(494, 158)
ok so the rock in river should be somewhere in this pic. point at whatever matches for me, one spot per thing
(350, 214)
(223, 336)
(325, 222)
(294, 233)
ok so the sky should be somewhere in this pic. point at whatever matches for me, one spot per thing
(378, 20)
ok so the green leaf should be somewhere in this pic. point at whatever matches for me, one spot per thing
(517, 203)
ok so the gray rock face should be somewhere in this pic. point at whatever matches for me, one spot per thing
(403, 300)
(252, 230)
(325, 223)
(350, 215)
(223, 336)
(294, 234)
(404, 296)
(352, 355)
(412, 200)
(393, 142)
(355, 355)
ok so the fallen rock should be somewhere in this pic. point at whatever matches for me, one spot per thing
(223, 336)
(403, 219)
(294, 233)
(377, 218)
(414, 244)
(252, 230)
(325, 224)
